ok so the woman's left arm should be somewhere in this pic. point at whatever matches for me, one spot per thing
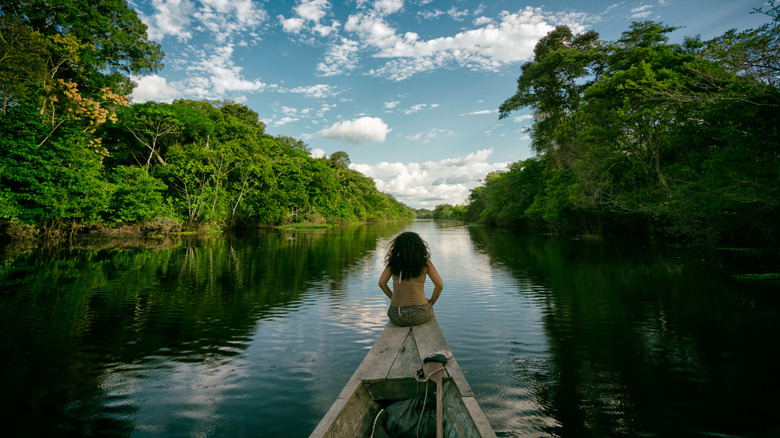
(438, 284)
(383, 279)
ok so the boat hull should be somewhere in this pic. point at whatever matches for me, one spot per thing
(388, 373)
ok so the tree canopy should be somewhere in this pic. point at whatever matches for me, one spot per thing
(72, 151)
(641, 136)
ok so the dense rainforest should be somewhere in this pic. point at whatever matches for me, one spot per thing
(643, 137)
(74, 155)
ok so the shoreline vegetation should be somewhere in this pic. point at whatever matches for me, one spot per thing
(637, 137)
(640, 137)
(77, 159)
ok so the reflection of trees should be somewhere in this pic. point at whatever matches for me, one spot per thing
(69, 315)
(642, 342)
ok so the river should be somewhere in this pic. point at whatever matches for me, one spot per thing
(255, 335)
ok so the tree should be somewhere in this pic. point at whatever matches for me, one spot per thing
(563, 67)
(339, 160)
(23, 62)
(149, 123)
(113, 41)
(52, 181)
(137, 195)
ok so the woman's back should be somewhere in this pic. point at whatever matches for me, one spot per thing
(409, 292)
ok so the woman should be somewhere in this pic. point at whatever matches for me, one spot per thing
(408, 262)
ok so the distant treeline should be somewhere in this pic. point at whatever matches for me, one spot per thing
(73, 153)
(643, 137)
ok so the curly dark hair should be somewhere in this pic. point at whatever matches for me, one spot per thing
(408, 255)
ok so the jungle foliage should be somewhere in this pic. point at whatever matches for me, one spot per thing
(640, 136)
(72, 151)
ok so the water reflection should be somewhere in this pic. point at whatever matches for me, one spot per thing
(257, 334)
(642, 342)
(103, 340)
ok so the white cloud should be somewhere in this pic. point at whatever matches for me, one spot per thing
(358, 131)
(457, 14)
(428, 184)
(324, 109)
(479, 21)
(227, 17)
(479, 113)
(523, 118)
(291, 25)
(283, 121)
(392, 104)
(219, 75)
(153, 88)
(340, 58)
(308, 16)
(419, 107)
(316, 91)
(211, 70)
(317, 153)
(488, 47)
(223, 18)
(428, 136)
(387, 7)
(428, 15)
(170, 17)
(641, 12)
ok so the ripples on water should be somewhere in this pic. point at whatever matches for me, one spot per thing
(257, 336)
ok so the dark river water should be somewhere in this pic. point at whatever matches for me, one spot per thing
(255, 335)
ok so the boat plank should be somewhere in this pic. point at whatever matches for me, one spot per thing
(380, 359)
(457, 376)
(429, 339)
(479, 418)
(350, 416)
(408, 360)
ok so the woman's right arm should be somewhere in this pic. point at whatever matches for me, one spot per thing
(383, 279)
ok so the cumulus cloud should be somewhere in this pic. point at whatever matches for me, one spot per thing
(428, 184)
(641, 12)
(153, 87)
(479, 113)
(223, 18)
(308, 15)
(316, 91)
(340, 58)
(489, 46)
(317, 153)
(170, 17)
(358, 131)
(215, 74)
(428, 136)
(419, 107)
(212, 72)
(392, 104)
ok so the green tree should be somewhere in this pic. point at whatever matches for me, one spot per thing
(149, 123)
(54, 181)
(552, 84)
(137, 196)
(339, 160)
(113, 40)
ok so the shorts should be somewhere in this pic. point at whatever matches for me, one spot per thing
(408, 316)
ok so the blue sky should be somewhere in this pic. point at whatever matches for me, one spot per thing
(408, 88)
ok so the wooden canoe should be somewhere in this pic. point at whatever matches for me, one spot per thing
(387, 373)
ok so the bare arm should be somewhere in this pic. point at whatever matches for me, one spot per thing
(438, 284)
(383, 279)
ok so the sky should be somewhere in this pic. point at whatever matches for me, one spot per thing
(409, 89)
